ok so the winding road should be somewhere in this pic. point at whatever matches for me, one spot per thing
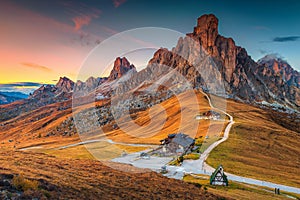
(201, 167)
(188, 166)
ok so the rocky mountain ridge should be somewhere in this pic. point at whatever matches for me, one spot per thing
(121, 67)
(201, 57)
(243, 78)
(280, 78)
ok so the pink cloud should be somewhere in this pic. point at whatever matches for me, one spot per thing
(81, 21)
(82, 14)
(84, 19)
(117, 3)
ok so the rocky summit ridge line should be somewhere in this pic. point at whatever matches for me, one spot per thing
(243, 78)
(269, 81)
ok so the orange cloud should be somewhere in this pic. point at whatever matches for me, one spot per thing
(80, 21)
(84, 19)
(117, 3)
(36, 66)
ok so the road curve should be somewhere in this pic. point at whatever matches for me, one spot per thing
(193, 167)
(205, 154)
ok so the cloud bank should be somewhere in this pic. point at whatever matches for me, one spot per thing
(36, 66)
(23, 87)
(286, 39)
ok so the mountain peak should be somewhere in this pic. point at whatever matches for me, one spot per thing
(271, 58)
(121, 62)
(207, 22)
(206, 30)
(121, 67)
(273, 66)
(65, 84)
(243, 78)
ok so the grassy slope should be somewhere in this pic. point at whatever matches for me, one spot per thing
(102, 150)
(88, 179)
(258, 147)
(178, 113)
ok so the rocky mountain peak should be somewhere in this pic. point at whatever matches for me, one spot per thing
(271, 80)
(121, 67)
(207, 24)
(65, 84)
(274, 66)
(275, 62)
(206, 30)
(270, 58)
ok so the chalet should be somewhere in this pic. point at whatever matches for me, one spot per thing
(177, 144)
(219, 177)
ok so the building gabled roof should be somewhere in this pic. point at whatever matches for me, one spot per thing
(219, 170)
(183, 140)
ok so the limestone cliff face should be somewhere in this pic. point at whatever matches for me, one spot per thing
(121, 67)
(243, 78)
(280, 78)
(65, 84)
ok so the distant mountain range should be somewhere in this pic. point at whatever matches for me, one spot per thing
(270, 81)
(9, 97)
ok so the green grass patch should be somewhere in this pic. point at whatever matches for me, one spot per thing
(191, 156)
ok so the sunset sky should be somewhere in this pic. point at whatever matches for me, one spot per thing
(43, 40)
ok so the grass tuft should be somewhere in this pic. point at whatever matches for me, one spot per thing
(24, 184)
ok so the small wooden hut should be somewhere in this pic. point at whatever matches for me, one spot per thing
(219, 177)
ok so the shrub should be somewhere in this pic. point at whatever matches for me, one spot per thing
(199, 142)
(175, 162)
(24, 184)
(191, 156)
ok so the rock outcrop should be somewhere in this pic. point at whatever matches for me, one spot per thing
(202, 59)
(121, 67)
(207, 60)
(280, 78)
(243, 78)
(65, 84)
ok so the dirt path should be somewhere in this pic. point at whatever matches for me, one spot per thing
(206, 153)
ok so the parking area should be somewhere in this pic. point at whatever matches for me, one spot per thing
(154, 163)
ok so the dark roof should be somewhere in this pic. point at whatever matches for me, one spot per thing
(172, 135)
(183, 140)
